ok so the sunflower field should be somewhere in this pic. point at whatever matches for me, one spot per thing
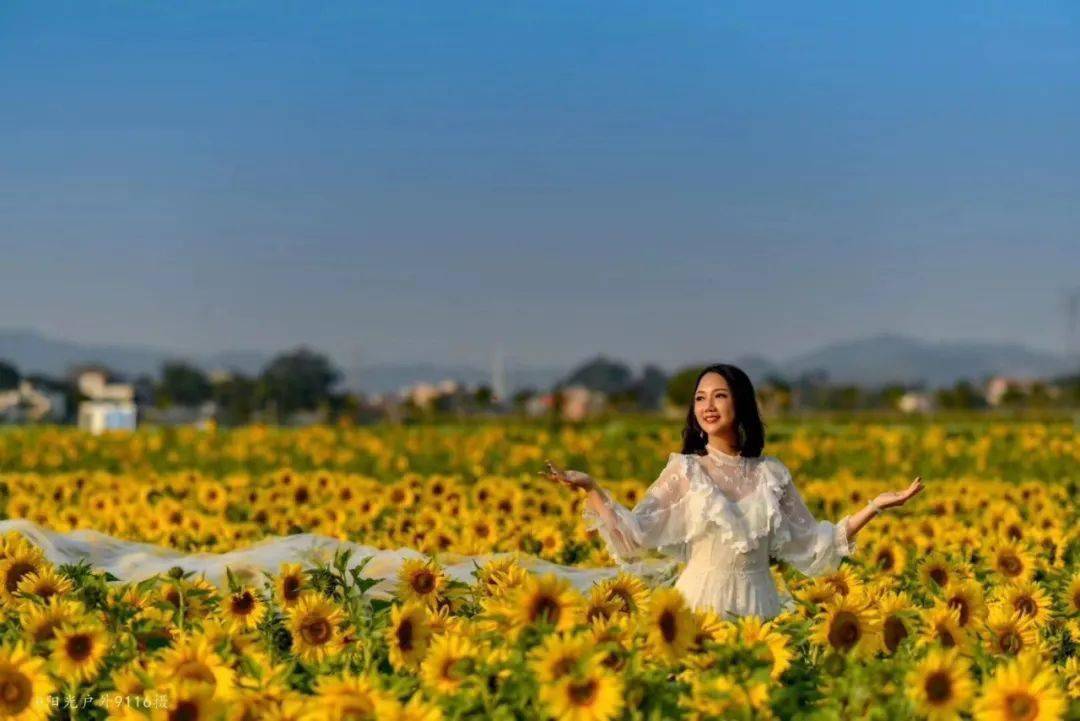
(964, 604)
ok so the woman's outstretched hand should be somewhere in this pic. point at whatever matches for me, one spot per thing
(574, 479)
(890, 499)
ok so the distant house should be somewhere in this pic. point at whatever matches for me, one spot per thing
(998, 386)
(29, 403)
(110, 406)
(915, 402)
(578, 403)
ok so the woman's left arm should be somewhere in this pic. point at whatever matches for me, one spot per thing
(889, 499)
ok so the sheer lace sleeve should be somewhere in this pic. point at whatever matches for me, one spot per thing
(661, 520)
(812, 546)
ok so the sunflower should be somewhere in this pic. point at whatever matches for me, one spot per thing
(408, 635)
(348, 697)
(843, 581)
(1010, 632)
(966, 597)
(671, 624)
(415, 709)
(935, 570)
(711, 629)
(941, 626)
(547, 600)
(314, 624)
(849, 625)
(628, 590)
(25, 687)
(22, 562)
(1012, 561)
(448, 663)
(769, 644)
(500, 575)
(889, 556)
(611, 641)
(1028, 598)
(559, 655)
(1072, 595)
(191, 701)
(193, 659)
(288, 585)
(1021, 690)
(897, 615)
(212, 496)
(724, 697)
(595, 694)
(78, 650)
(599, 606)
(420, 580)
(243, 610)
(40, 621)
(940, 685)
(45, 583)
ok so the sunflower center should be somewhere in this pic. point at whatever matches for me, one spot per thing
(895, 632)
(845, 631)
(424, 582)
(939, 576)
(15, 574)
(15, 693)
(668, 626)
(405, 635)
(316, 631)
(291, 588)
(886, 560)
(563, 666)
(945, 637)
(1010, 565)
(938, 687)
(243, 603)
(196, 671)
(1076, 600)
(582, 693)
(1025, 605)
(1021, 707)
(545, 608)
(961, 605)
(78, 647)
(185, 711)
(1010, 642)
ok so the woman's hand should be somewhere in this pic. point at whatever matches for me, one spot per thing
(890, 499)
(574, 479)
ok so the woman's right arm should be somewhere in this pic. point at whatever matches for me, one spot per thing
(662, 518)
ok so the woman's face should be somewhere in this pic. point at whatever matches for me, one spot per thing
(713, 405)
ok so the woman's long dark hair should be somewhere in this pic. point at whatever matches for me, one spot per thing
(749, 428)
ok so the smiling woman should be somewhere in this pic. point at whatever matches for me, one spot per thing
(724, 509)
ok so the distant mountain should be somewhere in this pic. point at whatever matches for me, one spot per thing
(889, 357)
(33, 352)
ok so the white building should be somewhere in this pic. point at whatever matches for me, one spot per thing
(27, 403)
(915, 402)
(111, 406)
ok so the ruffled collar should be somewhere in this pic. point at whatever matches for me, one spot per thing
(723, 457)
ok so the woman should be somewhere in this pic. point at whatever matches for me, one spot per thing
(724, 508)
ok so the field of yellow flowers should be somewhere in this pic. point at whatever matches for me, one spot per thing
(964, 604)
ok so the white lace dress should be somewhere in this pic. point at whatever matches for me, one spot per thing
(724, 516)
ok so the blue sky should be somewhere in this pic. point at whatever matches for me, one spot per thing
(661, 182)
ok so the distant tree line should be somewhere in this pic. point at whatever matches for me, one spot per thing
(305, 381)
